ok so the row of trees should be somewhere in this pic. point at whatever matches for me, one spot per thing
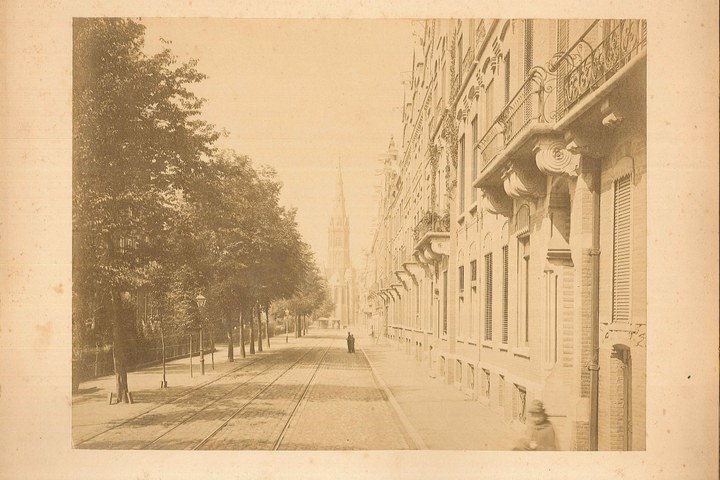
(158, 209)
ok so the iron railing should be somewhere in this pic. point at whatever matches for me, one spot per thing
(431, 222)
(526, 107)
(600, 52)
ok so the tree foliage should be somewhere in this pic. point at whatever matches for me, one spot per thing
(158, 212)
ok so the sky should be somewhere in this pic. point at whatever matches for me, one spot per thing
(300, 95)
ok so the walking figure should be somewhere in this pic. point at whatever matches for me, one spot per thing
(540, 432)
(349, 342)
(352, 343)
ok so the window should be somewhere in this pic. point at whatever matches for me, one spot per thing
(417, 304)
(473, 296)
(488, 296)
(519, 403)
(486, 383)
(461, 172)
(622, 230)
(473, 171)
(507, 78)
(523, 290)
(432, 315)
(461, 300)
(505, 295)
(489, 107)
(460, 58)
(445, 309)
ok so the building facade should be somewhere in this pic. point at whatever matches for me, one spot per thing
(339, 272)
(510, 253)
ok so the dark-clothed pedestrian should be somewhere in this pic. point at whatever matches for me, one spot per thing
(540, 432)
(349, 342)
(352, 343)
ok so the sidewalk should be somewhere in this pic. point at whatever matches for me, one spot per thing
(441, 415)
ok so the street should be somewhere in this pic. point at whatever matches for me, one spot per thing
(312, 395)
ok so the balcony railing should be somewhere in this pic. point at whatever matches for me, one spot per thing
(525, 108)
(587, 64)
(431, 222)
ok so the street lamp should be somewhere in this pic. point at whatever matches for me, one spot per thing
(163, 382)
(287, 314)
(200, 300)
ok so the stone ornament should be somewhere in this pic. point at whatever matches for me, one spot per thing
(553, 158)
(494, 201)
(520, 183)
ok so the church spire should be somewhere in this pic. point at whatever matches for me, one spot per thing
(339, 211)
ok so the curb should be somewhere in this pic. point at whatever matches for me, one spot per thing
(415, 437)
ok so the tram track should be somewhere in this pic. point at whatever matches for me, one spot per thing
(264, 390)
(183, 397)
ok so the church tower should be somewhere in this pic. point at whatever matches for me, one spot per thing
(339, 271)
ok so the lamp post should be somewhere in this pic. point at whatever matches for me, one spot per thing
(287, 314)
(163, 383)
(200, 300)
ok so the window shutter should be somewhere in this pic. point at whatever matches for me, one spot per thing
(488, 296)
(505, 319)
(622, 230)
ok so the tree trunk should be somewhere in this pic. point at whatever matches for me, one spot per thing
(260, 335)
(228, 324)
(252, 330)
(242, 333)
(267, 325)
(121, 381)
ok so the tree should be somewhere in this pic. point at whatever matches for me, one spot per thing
(137, 143)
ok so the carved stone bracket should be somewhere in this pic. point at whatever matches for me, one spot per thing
(403, 277)
(612, 115)
(389, 293)
(432, 247)
(383, 295)
(520, 182)
(553, 158)
(494, 200)
(395, 287)
(586, 143)
(415, 270)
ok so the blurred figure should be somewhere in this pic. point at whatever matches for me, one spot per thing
(540, 432)
(352, 343)
(349, 342)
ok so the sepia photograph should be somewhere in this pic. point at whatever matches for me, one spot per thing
(374, 246)
(476, 280)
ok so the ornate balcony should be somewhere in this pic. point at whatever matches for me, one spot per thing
(432, 237)
(526, 108)
(589, 63)
(431, 222)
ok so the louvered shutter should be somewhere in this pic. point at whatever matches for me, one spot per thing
(488, 296)
(622, 230)
(505, 296)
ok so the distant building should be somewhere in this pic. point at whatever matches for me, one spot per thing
(339, 272)
(510, 253)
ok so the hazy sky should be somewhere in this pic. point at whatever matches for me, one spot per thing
(298, 95)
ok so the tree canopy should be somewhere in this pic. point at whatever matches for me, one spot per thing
(159, 212)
